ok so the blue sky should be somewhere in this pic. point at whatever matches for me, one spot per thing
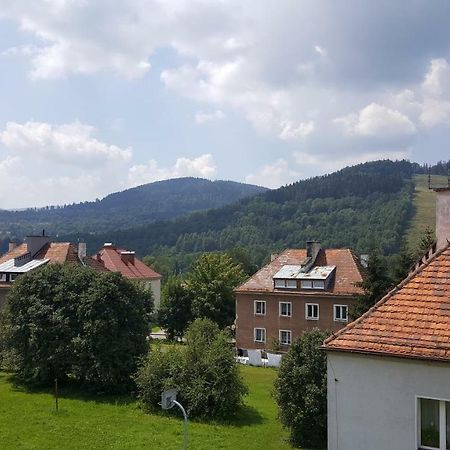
(97, 96)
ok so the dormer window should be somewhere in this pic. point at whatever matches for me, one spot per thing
(313, 284)
(2, 277)
(286, 284)
(12, 277)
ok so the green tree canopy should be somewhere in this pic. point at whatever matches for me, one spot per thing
(65, 320)
(301, 391)
(210, 285)
(174, 313)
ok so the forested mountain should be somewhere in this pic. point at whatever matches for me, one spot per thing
(161, 200)
(360, 206)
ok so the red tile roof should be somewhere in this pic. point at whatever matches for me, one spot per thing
(348, 272)
(112, 260)
(412, 321)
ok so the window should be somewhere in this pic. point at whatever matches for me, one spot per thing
(285, 337)
(260, 308)
(12, 277)
(289, 284)
(306, 284)
(313, 284)
(318, 284)
(340, 313)
(285, 309)
(433, 423)
(2, 276)
(312, 311)
(260, 334)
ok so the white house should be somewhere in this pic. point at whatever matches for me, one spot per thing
(389, 371)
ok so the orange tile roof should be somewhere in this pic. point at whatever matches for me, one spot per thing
(412, 321)
(111, 258)
(348, 272)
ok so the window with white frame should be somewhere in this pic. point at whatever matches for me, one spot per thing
(312, 311)
(259, 334)
(433, 423)
(318, 284)
(285, 337)
(285, 309)
(12, 277)
(340, 313)
(306, 284)
(286, 284)
(2, 277)
(260, 308)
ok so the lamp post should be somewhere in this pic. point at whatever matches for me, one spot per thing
(168, 400)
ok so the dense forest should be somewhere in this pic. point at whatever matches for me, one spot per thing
(362, 206)
(161, 200)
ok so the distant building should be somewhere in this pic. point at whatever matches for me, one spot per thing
(298, 290)
(389, 371)
(124, 261)
(35, 252)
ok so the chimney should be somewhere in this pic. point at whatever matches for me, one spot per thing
(11, 246)
(442, 217)
(312, 249)
(81, 250)
(127, 257)
(35, 243)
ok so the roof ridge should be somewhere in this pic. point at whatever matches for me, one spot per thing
(385, 298)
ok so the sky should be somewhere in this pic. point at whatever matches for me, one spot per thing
(97, 96)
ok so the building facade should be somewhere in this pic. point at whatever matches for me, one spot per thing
(299, 290)
(389, 371)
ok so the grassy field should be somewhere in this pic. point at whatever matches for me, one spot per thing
(29, 421)
(425, 206)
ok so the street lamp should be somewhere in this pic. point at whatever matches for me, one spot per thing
(168, 400)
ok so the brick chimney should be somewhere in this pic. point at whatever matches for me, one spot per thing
(127, 257)
(442, 217)
(312, 249)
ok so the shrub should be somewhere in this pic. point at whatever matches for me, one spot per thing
(204, 372)
(68, 321)
(301, 391)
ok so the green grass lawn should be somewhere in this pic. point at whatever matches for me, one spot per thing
(425, 206)
(29, 421)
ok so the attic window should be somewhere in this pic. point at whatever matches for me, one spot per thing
(286, 284)
(2, 277)
(313, 284)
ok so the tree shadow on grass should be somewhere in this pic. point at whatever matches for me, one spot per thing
(68, 390)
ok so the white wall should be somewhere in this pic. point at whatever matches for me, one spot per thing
(156, 290)
(372, 405)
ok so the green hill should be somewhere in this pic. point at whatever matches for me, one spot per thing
(361, 206)
(143, 204)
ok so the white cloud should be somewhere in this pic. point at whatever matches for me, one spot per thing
(437, 79)
(320, 50)
(274, 175)
(71, 143)
(202, 117)
(292, 132)
(202, 166)
(377, 121)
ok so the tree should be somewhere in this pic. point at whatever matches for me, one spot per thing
(65, 320)
(204, 372)
(301, 391)
(242, 257)
(425, 242)
(210, 285)
(375, 285)
(174, 314)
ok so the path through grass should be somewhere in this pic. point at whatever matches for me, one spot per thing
(28, 421)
